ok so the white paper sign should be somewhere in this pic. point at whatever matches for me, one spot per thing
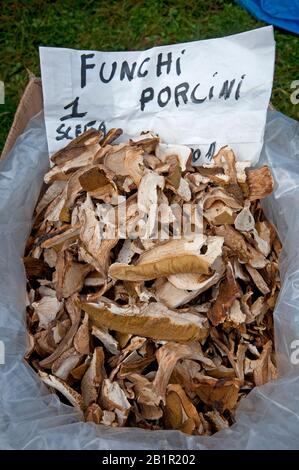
(205, 94)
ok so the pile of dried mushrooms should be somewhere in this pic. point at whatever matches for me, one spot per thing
(164, 332)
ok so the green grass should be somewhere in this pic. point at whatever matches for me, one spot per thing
(124, 25)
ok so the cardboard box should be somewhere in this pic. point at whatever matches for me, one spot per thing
(30, 104)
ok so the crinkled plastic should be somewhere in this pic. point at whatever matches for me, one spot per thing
(33, 418)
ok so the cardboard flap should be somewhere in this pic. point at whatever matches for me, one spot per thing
(30, 104)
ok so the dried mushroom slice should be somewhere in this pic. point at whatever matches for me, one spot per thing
(61, 386)
(153, 320)
(70, 275)
(63, 366)
(114, 399)
(180, 413)
(93, 413)
(126, 161)
(87, 141)
(228, 292)
(219, 393)
(93, 377)
(260, 182)
(172, 257)
(46, 309)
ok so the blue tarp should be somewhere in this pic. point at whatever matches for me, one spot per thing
(281, 13)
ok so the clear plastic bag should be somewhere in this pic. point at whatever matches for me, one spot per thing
(33, 418)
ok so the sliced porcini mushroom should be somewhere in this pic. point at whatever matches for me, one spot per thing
(135, 342)
(235, 314)
(50, 257)
(235, 241)
(147, 399)
(125, 161)
(30, 343)
(114, 399)
(78, 372)
(81, 338)
(111, 136)
(172, 257)
(95, 279)
(65, 363)
(179, 410)
(214, 173)
(122, 338)
(59, 330)
(220, 393)
(87, 141)
(184, 190)
(263, 368)
(108, 418)
(93, 413)
(35, 267)
(94, 179)
(218, 421)
(219, 214)
(239, 271)
(146, 140)
(70, 275)
(171, 296)
(106, 339)
(228, 293)
(46, 309)
(195, 282)
(96, 248)
(126, 252)
(50, 194)
(241, 171)
(257, 309)
(244, 222)
(147, 190)
(44, 342)
(93, 378)
(70, 193)
(153, 320)
(260, 182)
(90, 232)
(74, 311)
(262, 238)
(61, 386)
(58, 241)
(256, 258)
(221, 372)
(147, 198)
(218, 194)
(134, 363)
(173, 169)
(167, 356)
(258, 280)
(163, 151)
(87, 155)
(54, 209)
(173, 413)
(30, 296)
(226, 159)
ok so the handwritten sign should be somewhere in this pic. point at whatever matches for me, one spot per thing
(205, 94)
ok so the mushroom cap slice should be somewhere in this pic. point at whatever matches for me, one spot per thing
(152, 320)
(173, 257)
